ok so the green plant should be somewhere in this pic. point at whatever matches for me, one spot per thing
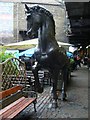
(4, 56)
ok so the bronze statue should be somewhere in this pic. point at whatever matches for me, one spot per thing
(48, 54)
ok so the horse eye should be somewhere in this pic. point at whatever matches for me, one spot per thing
(28, 17)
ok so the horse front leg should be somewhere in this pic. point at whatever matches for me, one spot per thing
(54, 90)
(38, 87)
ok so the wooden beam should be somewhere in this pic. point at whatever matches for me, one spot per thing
(10, 91)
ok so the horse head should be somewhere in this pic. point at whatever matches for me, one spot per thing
(36, 17)
(34, 20)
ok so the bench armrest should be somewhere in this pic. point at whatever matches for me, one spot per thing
(30, 94)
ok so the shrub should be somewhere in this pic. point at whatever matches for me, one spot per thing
(4, 56)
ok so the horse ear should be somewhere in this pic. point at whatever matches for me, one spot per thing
(27, 8)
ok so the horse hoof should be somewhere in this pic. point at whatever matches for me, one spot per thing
(40, 90)
(54, 105)
(63, 97)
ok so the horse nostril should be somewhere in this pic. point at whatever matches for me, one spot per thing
(27, 33)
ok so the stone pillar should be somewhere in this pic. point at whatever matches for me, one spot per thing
(19, 20)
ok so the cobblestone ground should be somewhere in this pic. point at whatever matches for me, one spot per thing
(76, 105)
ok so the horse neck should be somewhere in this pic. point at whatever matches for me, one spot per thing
(46, 35)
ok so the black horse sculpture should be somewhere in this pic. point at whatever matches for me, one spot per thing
(48, 54)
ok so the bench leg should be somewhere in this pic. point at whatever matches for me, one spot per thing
(35, 106)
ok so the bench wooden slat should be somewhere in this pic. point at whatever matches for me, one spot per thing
(17, 108)
(9, 106)
(10, 91)
(28, 101)
(13, 109)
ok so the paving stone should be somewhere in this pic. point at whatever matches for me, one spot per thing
(75, 107)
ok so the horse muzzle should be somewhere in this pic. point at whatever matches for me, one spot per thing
(30, 33)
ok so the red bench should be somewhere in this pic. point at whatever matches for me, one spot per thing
(15, 107)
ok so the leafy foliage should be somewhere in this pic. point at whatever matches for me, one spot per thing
(4, 56)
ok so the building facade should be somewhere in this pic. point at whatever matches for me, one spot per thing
(19, 24)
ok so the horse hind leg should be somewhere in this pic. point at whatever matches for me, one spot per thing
(63, 94)
(55, 97)
(64, 81)
(54, 90)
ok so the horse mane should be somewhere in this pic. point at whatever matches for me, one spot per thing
(42, 10)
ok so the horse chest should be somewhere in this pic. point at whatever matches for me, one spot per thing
(42, 57)
(46, 59)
